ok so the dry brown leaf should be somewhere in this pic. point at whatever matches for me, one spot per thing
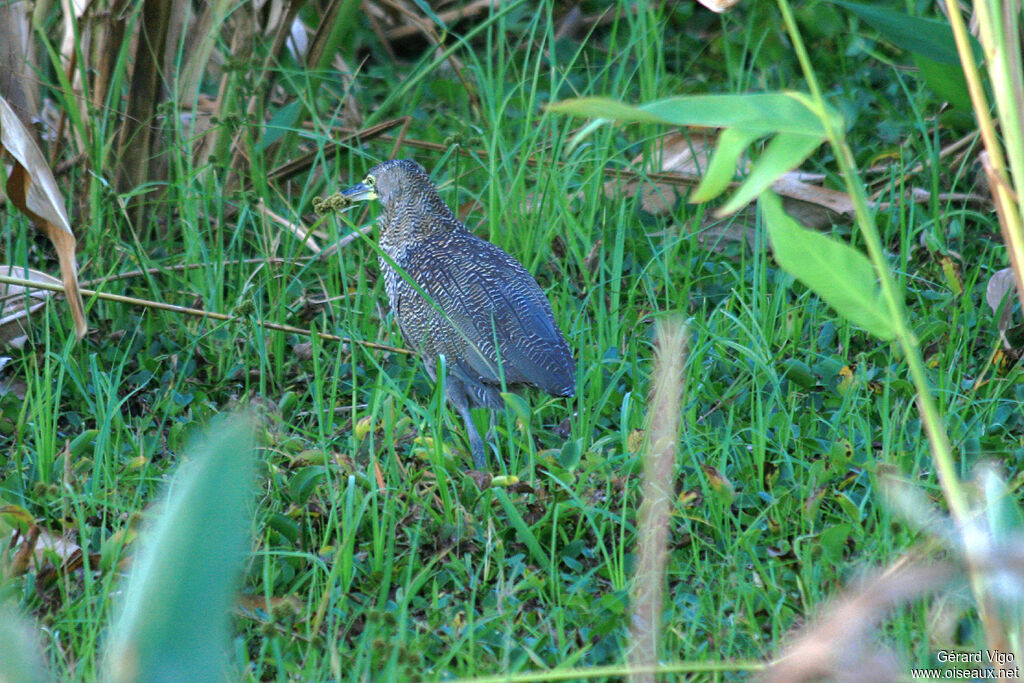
(17, 303)
(18, 80)
(793, 186)
(719, 5)
(684, 155)
(32, 188)
(718, 234)
(32, 549)
(999, 285)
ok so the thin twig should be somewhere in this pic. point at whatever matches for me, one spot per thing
(199, 313)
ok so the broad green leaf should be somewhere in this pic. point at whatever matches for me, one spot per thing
(282, 121)
(932, 44)
(745, 118)
(946, 80)
(175, 608)
(520, 408)
(570, 454)
(798, 372)
(783, 153)
(722, 167)
(836, 272)
(604, 108)
(930, 38)
(769, 112)
(765, 112)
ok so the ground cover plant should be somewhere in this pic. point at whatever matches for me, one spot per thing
(374, 554)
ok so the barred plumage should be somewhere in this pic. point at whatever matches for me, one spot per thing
(489, 318)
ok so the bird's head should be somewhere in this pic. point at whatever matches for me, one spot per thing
(393, 182)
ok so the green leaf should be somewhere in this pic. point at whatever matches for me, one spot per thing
(284, 525)
(570, 454)
(836, 272)
(798, 372)
(303, 482)
(518, 405)
(722, 167)
(523, 530)
(946, 80)
(21, 658)
(783, 154)
(798, 127)
(767, 112)
(605, 109)
(932, 44)
(930, 38)
(833, 541)
(175, 608)
(283, 121)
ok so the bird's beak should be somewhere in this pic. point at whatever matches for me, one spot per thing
(359, 193)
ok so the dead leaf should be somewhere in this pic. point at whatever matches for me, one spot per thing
(812, 206)
(35, 547)
(17, 303)
(719, 5)
(997, 289)
(18, 65)
(32, 188)
(682, 157)
(16, 517)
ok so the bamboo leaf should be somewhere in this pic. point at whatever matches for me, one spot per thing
(797, 128)
(835, 271)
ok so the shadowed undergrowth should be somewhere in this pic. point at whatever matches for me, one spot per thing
(374, 555)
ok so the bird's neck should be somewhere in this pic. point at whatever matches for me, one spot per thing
(410, 222)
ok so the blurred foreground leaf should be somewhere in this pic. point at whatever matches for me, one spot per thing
(20, 657)
(173, 624)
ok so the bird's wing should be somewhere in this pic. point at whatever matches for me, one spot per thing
(487, 296)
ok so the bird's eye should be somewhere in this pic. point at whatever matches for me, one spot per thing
(370, 181)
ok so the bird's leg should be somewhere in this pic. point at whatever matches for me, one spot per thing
(476, 444)
(492, 422)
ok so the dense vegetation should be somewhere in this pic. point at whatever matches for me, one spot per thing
(374, 554)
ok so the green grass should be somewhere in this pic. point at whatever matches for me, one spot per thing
(428, 576)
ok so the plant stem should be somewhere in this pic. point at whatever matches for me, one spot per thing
(939, 442)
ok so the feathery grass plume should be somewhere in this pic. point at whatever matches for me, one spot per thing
(656, 508)
(839, 645)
